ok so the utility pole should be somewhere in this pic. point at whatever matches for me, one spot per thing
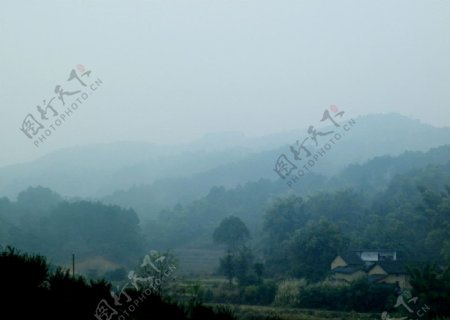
(73, 264)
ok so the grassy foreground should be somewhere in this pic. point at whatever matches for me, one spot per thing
(247, 312)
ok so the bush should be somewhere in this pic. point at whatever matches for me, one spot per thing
(262, 294)
(360, 296)
(288, 292)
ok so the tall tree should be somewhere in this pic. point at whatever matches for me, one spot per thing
(227, 266)
(232, 232)
(312, 250)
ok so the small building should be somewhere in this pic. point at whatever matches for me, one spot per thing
(345, 259)
(371, 255)
(348, 267)
(348, 274)
(378, 266)
(392, 272)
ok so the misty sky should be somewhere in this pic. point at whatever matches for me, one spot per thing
(175, 70)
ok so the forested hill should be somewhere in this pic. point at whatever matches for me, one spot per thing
(374, 174)
(335, 200)
(387, 202)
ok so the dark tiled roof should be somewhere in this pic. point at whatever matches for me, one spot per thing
(351, 258)
(374, 250)
(393, 267)
(347, 269)
(376, 277)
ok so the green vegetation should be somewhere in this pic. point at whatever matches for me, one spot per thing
(232, 232)
(269, 246)
(40, 221)
(34, 292)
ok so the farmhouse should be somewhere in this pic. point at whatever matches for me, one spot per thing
(378, 266)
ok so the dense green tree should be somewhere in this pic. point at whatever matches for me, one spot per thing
(244, 267)
(284, 217)
(227, 266)
(437, 209)
(432, 287)
(232, 232)
(312, 249)
(38, 199)
(281, 220)
(93, 229)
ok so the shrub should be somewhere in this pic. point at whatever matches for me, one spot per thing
(288, 292)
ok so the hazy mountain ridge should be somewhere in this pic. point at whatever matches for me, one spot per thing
(225, 159)
(147, 199)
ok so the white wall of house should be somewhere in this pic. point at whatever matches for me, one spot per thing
(369, 256)
(372, 256)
